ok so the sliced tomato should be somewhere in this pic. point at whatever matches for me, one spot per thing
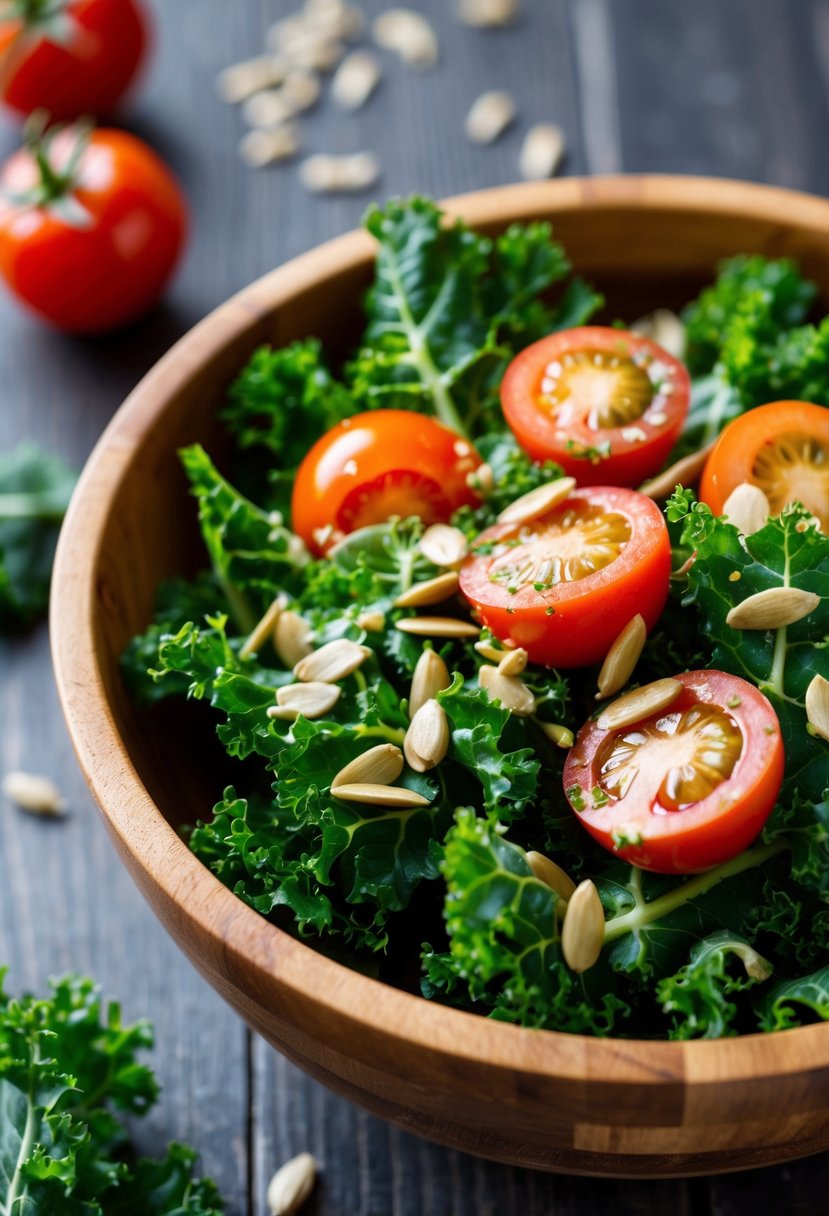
(605, 404)
(379, 464)
(564, 585)
(687, 788)
(783, 448)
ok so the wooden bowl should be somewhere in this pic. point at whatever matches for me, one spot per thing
(551, 1101)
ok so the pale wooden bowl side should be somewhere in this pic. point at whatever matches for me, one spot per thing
(626, 1108)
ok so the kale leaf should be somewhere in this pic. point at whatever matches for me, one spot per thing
(698, 995)
(795, 1001)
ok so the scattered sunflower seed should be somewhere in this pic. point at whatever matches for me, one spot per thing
(409, 34)
(486, 14)
(817, 706)
(432, 591)
(509, 690)
(35, 794)
(266, 109)
(481, 479)
(260, 147)
(370, 794)
(638, 704)
(264, 630)
(444, 545)
(747, 508)
(538, 501)
(372, 622)
(562, 736)
(541, 152)
(772, 608)
(378, 766)
(437, 627)
(333, 661)
(292, 638)
(356, 79)
(431, 676)
(665, 329)
(513, 662)
(241, 80)
(335, 19)
(489, 116)
(548, 872)
(427, 739)
(313, 699)
(622, 657)
(684, 472)
(291, 1185)
(323, 174)
(582, 933)
(490, 651)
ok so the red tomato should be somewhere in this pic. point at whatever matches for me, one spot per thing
(379, 464)
(564, 585)
(783, 448)
(605, 404)
(688, 787)
(90, 245)
(71, 58)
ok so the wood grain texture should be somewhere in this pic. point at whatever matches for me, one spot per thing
(734, 89)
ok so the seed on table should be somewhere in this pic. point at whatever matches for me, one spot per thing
(548, 872)
(443, 545)
(291, 1185)
(437, 627)
(378, 766)
(335, 19)
(562, 736)
(513, 662)
(241, 80)
(747, 508)
(300, 91)
(304, 44)
(355, 80)
(333, 661)
(537, 502)
(323, 174)
(266, 109)
(35, 794)
(684, 472)
(582, 934)
(817, 706)
(488, 14)
(638, 704)
(431, 591)
(313, 699)
(292, 638)
(380, 795)
(509, 690)
(265, 147)
(489, 116)
(541, 152)
(409, 34)
(431, 676)
(264, 630)
(622, 658)
(773, 608)
(427, 739)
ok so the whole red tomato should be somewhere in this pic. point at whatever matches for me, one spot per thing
(70, 57)
(91, 227)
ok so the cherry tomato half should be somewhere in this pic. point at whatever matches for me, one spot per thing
(71, 58)
(684, 789)
(783, 448)
(379, 464)
(91, 228)
(605, 404)
(564, 585)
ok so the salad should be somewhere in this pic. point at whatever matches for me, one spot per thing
(504, 726)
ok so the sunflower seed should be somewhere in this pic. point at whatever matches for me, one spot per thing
(509, 690)
(291, 1185)
(747, 508)
(323, 174)
(378, 766)
(265, 629)
(638, 704)
(582, 933)
(513, 662)
(313, 699)
(489, 116)
(437, 627)
(485, 14)
(356, 79)
(772, 608)
(664, 328)
(266, 109)
(333, 661)
(817, 706)
(335, 19)
(432, 591)
(562, 736)
(443, 545)
(379, 795)
(622, 657)
(305, 44)
(33, 793)
(684, 472)
(548, 872)
(541, 152)
(482, 480)
(259, 147)
(431, 676)
(292, 638)
(242, 80)
(372, 622)
(538, 501)
(409, 34)
(427, 739)
(489, 650)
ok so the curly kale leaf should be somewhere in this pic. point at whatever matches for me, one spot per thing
(34, 493)
(697, 997)
(178, 601)
(796, 1001)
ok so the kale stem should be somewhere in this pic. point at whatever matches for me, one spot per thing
(646, 913)
(392, 734)
(14, 1195)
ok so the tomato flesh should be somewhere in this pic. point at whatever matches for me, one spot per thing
(783, 448)
(684, 789)
(376, 465)
(564, 585)
(605, 404)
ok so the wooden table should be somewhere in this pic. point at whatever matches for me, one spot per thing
(729, 87)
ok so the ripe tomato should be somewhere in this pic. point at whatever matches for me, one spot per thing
(605, 404)
(71, 57)
(564, 585)
(783, 448)
(90, 228)
(684, 789)
(378, 464)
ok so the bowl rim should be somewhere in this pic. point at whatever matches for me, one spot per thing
(143, 835)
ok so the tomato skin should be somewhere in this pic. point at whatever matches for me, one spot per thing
(588, 614)
(109, 270)
(734, 455)
(376, 464)
(709, 831)
(632, 459)
(86, 76)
